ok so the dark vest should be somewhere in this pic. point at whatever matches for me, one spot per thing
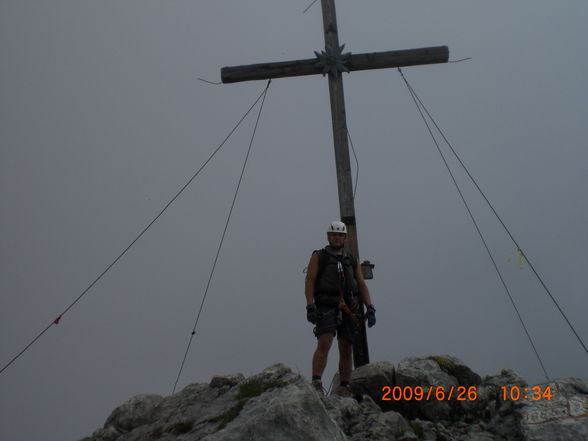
(326, 286)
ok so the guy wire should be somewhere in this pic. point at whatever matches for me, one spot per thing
(547, 290)
(412, 93)
(103, 273)
(264, 94)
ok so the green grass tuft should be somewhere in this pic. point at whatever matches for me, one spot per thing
(248, 389)
(253, 387)
(441, 361)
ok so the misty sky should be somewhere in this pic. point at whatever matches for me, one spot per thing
(103, 119)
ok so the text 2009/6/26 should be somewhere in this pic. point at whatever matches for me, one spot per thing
(421, 393)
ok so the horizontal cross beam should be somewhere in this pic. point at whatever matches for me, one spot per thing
(375, 60)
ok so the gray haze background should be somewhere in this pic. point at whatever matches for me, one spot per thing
(102, 120)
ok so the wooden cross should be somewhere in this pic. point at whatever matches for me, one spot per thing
(333, 62)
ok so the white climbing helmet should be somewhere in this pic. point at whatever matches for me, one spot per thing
(337, 227)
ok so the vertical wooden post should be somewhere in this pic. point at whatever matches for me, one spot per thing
(331, 61)
(343, 163)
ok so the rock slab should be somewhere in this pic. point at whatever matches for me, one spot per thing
(279, 405)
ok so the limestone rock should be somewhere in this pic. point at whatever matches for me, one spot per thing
(564, 417)
(134, 412)
(422, 371)
(293, 412)
(275, 404)
(457, 369)
(370, 379)
(226, 380)
(280, 405)
(479, 436)
(430, 431)
(504, 378)
(365, 421)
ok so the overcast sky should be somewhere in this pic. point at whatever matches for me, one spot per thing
(103, 119)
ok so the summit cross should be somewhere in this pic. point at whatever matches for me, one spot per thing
(333, 61)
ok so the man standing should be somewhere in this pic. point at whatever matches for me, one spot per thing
(333, 282)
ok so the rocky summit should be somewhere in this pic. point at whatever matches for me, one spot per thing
(436, 398)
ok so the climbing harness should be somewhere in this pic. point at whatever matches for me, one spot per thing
(343, 307)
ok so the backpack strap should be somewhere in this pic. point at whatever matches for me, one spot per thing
(322, 258)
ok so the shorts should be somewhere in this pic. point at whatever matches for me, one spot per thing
(330, 319)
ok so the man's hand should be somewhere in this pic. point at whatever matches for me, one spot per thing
(311, 313)
(371, 316)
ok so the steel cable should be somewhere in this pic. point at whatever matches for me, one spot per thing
(547, 290)
(85, 291)
(222, 240)
(416, 101)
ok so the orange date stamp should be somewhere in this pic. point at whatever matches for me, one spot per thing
(422, 393)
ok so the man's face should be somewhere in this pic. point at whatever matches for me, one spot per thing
(336, 240)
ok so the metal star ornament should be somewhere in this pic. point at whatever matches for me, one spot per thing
(332, 60)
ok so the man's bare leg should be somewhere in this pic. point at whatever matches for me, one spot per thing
(319, 359)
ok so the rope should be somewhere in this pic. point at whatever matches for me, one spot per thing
(222, 239)
(416, 101)
(356, 162)
(85, 291)
(500, 220)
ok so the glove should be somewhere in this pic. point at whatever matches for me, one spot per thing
(371, 316)
(311, 313)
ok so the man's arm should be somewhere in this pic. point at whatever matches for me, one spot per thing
(311, 273)
(363, 289)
